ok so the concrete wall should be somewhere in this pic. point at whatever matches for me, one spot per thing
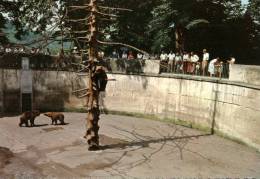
(151, 67)
(234, 107)
(249, 74)
(52, 90)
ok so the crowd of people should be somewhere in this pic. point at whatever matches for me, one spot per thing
(128, 61)
(191, 63)
(20, 49)
(182, 63)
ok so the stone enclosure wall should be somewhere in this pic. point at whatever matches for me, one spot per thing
(234, 107)
(245, 73)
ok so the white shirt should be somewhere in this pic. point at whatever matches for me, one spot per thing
(186, 57)
(232, 61)
(171, 56)
(75, 51)
(139, 56)
(101, 54)
(213, 61)
(178, 58)
(16, 50)
(124, 55)
(206, 57)
(7, 50)
(194, 58)
(163, 56)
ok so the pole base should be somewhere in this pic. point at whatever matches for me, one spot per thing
(93, 148)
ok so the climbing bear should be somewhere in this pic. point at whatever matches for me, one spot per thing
(55, 117)
(29, 116)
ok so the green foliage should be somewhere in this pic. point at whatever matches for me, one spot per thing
(224, 27)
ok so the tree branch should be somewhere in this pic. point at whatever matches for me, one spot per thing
(78, 20)
(80, 32)
(74, 8)
(105, 14)
(80, 90)
(123, 44)
(114, 8)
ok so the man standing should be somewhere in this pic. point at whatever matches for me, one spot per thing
(230, 63)
(205, 60)
(124, 55)
(115, 55)
(171, 57)
(194, 59)
(186, 59)
(163, 62)
(178, 62)
(163, 56)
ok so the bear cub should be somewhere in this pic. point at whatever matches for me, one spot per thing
(55, 117)
(28, 116)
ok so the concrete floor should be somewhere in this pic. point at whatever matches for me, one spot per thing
(132, 148)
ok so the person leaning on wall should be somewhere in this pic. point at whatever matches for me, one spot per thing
(205, 61)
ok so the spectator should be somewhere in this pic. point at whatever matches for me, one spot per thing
(163, 56)
(75, 51)
(120, 63)
(146, 56)
(205, 61)
(130, 56)
(140, 63)
(186, 59)
(115, 55)
(178, 62)
(37, 50)
(124, 55)
(22, 49)
(101, 54)
(194, 59)
(1, 49)
(8, 49)
(163, 62)
(231, 61)
(16, 50)
(139, 56)
(130, 62)
(171, 57)
(211, 68)
(33, 50)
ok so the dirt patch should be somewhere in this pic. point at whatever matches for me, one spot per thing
(5, 159)
(52, 129)
(5, 156)
(13, 166)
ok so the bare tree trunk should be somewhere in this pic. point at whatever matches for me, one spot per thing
(93, 93)
(179, 39)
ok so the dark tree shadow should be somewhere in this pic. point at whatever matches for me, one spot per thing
(36, 125)
(168, 142)
(148, 142)
(64, 124)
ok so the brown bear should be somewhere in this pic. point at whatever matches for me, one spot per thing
(55, 117)
(28, 116)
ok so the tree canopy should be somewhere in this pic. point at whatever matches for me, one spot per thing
(224, 27)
